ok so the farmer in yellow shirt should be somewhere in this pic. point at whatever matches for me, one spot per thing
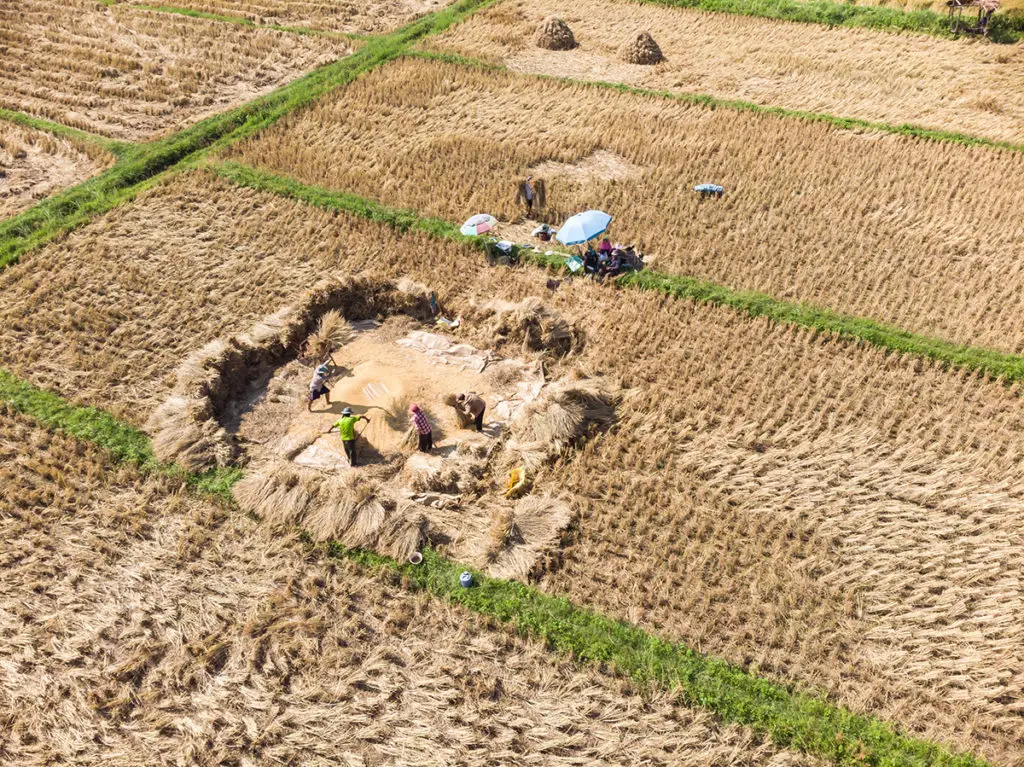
(346, 426)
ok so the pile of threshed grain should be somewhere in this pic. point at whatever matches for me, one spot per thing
(529, 324)
(554, 35)
(186, 428)
(641, 50)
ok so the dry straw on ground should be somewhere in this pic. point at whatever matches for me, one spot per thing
(34, 165)
(355, 16)
(834, 516)
(145, 627)
(134, 74)
(873, 75)
(928, 240)
(553, 34)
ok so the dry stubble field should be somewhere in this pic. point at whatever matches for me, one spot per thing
(352, 16)
(35, 164)
(833, 517)
(132, 74)
(140, 626)
(956, 85)
(918, 234)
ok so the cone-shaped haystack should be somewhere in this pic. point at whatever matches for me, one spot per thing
(555, 35)
(641, 50)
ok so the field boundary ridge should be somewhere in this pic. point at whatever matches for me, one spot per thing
(113, 146)
(790, 718)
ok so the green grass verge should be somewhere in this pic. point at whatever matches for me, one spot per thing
(1006, 367)
(116, 148)
(1002, 29)
(63, 212)
(790, 718)
(711, 102)
(123, 442)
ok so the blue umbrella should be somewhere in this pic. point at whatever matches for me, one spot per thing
(583, 226)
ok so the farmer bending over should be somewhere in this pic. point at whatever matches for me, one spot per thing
(318, 386)
(346, 426)
(423, 430)
(473, 405)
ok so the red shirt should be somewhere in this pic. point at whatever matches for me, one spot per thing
(421, 423)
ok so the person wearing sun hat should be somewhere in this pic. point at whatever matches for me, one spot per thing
(346, 426)
(423, 428)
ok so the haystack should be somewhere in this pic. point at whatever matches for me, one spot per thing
(522, 533)
(530, 324)
(554, 35)
(332, 332)
(564, 415)
(641, 50)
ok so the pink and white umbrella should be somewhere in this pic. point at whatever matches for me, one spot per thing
(478, 224)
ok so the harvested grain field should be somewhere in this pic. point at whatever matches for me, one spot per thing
(816, 510)
(913, 233)
(354, 16)
(34, 165)
(192, 265)
(872, 75)
(133, 74)
(143, 626)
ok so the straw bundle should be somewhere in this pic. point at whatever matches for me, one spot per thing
(554, 35)
(332, 332)
(641, 50)
(519, 535)
(530, 323)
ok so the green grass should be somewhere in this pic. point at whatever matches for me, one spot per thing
(1002, 28)
(1006, 367)
(116, 148)
(711, 102)
(791, 719)
(138, 165)
(124, 443)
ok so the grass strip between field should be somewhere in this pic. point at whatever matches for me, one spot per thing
(712, 102)
(1003, 28)
(65, 211)
(116, 148)
(790, 718)
(244, 22)
(1006, 367)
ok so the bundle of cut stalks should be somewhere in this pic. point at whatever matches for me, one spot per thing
(641, 50)
(332, 332)
(565, 414)
(351, 508)
(554, 35)
(521, 533)
(530, 323)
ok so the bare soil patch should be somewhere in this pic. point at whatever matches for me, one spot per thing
(926, 243)
(133, 74)
(34, 165)
(355, 16)
(872, 75)
(143, 626)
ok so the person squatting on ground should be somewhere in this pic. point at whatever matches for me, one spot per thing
(318, 386)
(346, 426)
(473, 405)
(423, 429)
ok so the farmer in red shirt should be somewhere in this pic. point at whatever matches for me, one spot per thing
(422, 426)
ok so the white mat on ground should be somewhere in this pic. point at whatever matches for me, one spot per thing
(443, 351)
